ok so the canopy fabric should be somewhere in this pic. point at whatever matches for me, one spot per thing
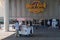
(24, 19)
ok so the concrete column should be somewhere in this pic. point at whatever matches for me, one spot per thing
(13, 8)
(50, 8)
(56, 10)
(18, 8)
(6, 15)
(10, 9)
(23, 8)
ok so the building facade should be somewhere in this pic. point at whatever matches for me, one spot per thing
(18, 9)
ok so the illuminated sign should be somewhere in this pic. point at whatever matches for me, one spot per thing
(36, 6)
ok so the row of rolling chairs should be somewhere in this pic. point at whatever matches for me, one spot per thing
(45, 22)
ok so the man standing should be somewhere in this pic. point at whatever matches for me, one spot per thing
(17, 28)
(54, 23)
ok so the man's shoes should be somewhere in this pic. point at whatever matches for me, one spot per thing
(17, 35)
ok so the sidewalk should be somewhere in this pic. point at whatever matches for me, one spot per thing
(6, 34)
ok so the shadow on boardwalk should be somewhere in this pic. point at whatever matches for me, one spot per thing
(34, 37)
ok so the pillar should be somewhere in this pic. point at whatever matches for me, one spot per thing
(13, 4)
(23, 8)
(18, 8)
(6, 15)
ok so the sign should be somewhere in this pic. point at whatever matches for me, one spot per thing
(36, 6)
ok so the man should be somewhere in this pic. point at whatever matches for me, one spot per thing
(17, 28)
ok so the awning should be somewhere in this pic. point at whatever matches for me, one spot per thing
(24, 19)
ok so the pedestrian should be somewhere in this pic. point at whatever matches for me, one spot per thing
(54, 23)
(48, 23)
(17, 28)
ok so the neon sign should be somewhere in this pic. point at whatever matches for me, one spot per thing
(36, 6)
